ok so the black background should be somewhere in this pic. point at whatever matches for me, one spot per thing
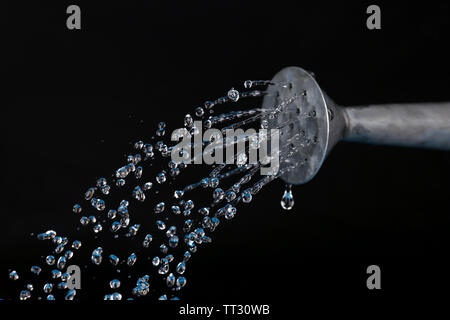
(79, 98)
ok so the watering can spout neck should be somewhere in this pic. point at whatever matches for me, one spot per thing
(425, 125)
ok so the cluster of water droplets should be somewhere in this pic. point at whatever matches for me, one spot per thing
(198, 223)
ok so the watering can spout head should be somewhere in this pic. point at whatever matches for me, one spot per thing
(316, 124)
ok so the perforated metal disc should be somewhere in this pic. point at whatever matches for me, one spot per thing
(306, 116)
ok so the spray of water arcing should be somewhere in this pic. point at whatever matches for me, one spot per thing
(197, 227)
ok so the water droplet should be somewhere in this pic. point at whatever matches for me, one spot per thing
(160, 224)
(187, 212)
(246, 197)
(114, 284)
(76, 244)
(84, 221)
(170, 280)
(114, 260)
(134, 229)
(181, 282)
(147, 240)
(218, 194)
(214, 182)
(230, 196)
(248, 84)
(25, 295)
(89, 193)
(233, 95)
(96, 256)
(112, 214)
(13, 275)
(101, 182)
(287, 200)
(161, 177)
(56, 274)
(160, 132)
(206, 239)
(68, 254)
(173, 241)
(65, 277)
(187, 225)
(156, 261)
(205, 182)
(161, 125)
(70, 294)
(230, 212)
(61, 264)
(178, 194)
(116, 296)
(187, 255)
(138, 172)
(163, 269)
(48, 287)
(241, 159)
(57, 240)
(105, 189)
(147, 186)
(264, 124)
(131, 259)
(36, 270)
(181, 267)
(50, 234)
(188, 121)
(199, 112)
(208, 124)
(160, 207)
(98, 204)
(176, 209)
(171, 231)
(115, 226)
(76, 208)
(97, 228)
(163, 248)
(188, 205)
(139, 145)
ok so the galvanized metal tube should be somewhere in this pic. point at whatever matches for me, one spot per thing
(425, 125)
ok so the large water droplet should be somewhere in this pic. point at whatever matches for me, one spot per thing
(181, 267)
(70, 294)
(13, 275)
(287, 200)
(76, 208)
(36, 269)
(131, 259)
(159, 207)
(233, 95)
(170, 280)
(148, 238)
(48, 287)
(114, 284)
(181, 282)
(161, 177)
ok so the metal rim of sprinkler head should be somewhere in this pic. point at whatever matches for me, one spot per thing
(307, 117)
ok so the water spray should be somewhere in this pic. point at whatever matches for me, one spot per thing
(308, 124)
